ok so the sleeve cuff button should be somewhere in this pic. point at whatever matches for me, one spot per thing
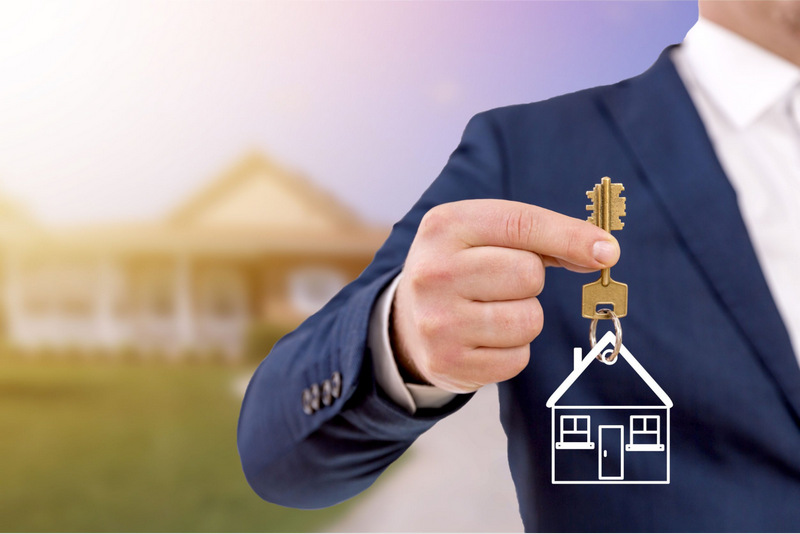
(336, 385)
(327, 393)
(308, 409)
(315, 397)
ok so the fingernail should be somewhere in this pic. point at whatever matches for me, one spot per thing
(604, 252)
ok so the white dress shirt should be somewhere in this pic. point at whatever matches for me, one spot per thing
(749, 101)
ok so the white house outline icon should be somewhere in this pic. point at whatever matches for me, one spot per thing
(641, 422)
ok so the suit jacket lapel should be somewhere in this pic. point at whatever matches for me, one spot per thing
(658, 122)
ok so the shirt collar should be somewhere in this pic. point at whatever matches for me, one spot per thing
(743, 79)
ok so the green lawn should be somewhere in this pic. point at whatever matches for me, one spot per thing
(128, 447)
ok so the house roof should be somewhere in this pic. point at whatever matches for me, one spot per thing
(258, 193)
(606, 341)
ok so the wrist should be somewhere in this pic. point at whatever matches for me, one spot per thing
(405, 364)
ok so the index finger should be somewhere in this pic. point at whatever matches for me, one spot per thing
(505, 223)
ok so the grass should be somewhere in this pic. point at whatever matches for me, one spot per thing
(97, 446)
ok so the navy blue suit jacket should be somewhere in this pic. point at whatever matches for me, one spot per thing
(701, 320)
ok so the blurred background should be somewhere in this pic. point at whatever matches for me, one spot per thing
(183, 182)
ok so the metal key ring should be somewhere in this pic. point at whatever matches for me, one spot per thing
(608, 360)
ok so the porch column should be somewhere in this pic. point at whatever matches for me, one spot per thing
(12, 299)
(104, 296)
(184, 313)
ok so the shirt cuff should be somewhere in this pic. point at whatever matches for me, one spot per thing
(409, 396)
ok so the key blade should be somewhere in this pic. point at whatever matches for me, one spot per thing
(617, 207)
(614, 296)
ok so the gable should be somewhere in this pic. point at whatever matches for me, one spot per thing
(264, 204)
(593, 379)
(256, 194)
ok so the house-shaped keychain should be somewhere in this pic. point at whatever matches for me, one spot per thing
(598, 443)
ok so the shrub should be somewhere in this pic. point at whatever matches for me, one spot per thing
(261, 338)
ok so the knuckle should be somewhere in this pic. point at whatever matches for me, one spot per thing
(427, 273)
(572, 242)
(533, 319)
(520, 226)
(532, 276)
(415, 281)
(416, 277)
(432, 325)
(435, 221)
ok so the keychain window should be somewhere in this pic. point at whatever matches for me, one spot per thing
(645, 432)
(575, 432)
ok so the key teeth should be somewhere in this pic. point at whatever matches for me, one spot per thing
(618, 206)
(592, 195)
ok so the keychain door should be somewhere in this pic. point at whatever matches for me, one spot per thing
(612, 459)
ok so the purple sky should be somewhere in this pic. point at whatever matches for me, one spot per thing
(118, 110)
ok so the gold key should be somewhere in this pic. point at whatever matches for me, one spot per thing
(607, 207)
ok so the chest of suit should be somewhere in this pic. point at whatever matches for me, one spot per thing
(700, 320)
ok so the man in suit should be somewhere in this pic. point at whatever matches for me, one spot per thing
(707, 144)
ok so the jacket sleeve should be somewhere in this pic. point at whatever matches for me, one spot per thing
(312, 461)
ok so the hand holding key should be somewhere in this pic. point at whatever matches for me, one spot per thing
(466, 310)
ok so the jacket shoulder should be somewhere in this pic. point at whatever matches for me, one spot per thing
(567, 110)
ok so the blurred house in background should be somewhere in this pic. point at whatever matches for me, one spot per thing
(259, 245)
